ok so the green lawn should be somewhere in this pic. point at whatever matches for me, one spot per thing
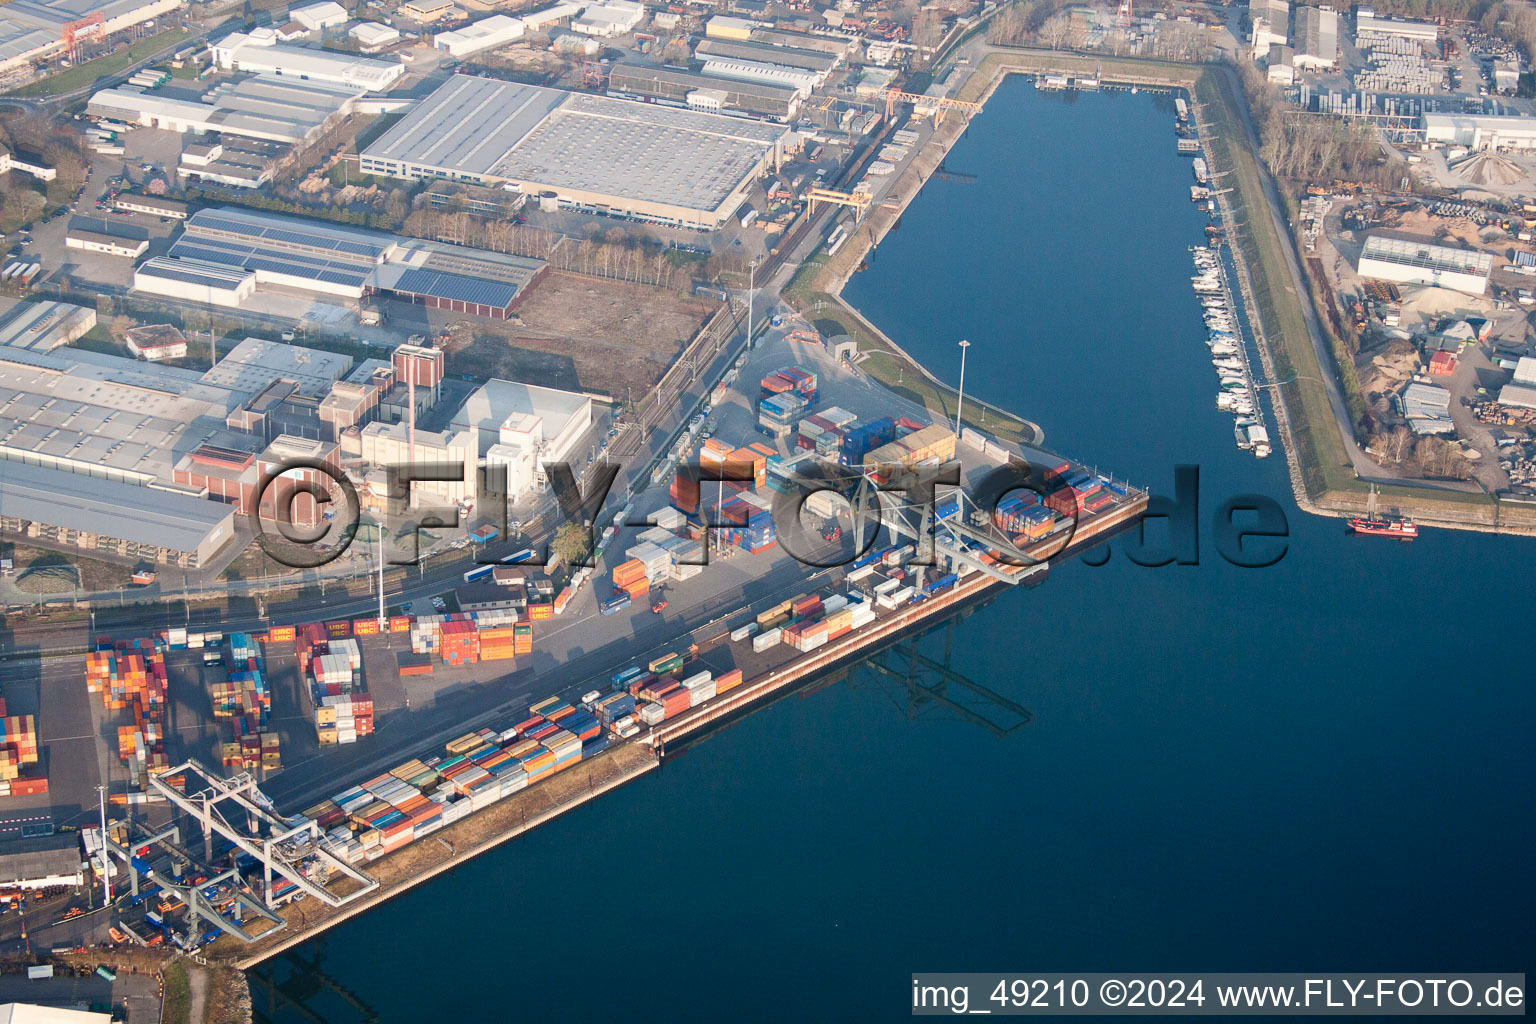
(176, 1007)
(91, 71)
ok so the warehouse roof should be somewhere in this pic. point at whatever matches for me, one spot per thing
(256, 361)
(292, 233)
(39, 856)
(1424, 255)
(767, 53)
(106, 238)
(207, 275)
(530, 135)
(451, 286)
(141, 515)
(43, 326)
(694, 80)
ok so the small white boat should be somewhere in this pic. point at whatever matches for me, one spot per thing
(1227, 363)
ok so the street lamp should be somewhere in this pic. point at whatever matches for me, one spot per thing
(960, 405)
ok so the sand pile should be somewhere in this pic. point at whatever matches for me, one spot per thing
(1490, 169)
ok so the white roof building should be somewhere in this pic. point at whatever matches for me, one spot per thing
(259, 51)
(370, 35)
(1480, 131)
(802, 81)
(1525, 372)
(485, 34)
(613, 18)
(27, 1013)
(1408, 261)
(1316, 39)
(499, 411)
(318, 16)
(539, 20)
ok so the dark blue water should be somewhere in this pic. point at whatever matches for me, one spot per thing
(1324, 765)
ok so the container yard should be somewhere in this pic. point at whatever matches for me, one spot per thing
(602, 704)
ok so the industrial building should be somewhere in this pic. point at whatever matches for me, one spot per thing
(593, 153)
(100, 241)
(723, 26)
(111, 517)
(323, 15)
(538, 21)
(767, 53)
(425, 12)
(1269, 22)
(1316, 39)
(609, 18)
(255, 361)
(259, 51)
(485, 34)
(1423, 32)
(1480, 131)
(525, 426)
(371, 36)
(262, 107)
(704, 92)
(1408, 261)
(154, 342)
(42, 862)
(44, 326)
(452, 451)
(155, 206)
(803, 82)
(326, 259)
(33, 30)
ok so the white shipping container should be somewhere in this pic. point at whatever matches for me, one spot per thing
(887, 586)
(701, 693)
(835, 603)
(698, 679)
(766, 639)
(737, 635)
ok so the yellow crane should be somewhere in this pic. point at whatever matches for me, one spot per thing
(941, 105)
(859, 201)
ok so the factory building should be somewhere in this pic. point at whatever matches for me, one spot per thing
(767, 53)
(102, 242)
(289, 463)
(538, 21)
(155, 206)
(1480, 131)
(425, 12)
(255, 361)
(608, 19)
(44, 326)
(485, 34)
(703, 92)
(32, 30)
(525, 426)
(320, 16)
(112, 517)
(371, 36)
(348, 263)
(1409, 261)
(723, 26)
(1269, 23)
(42, 862)
(803, 82)
(262, 107)
(1316, 39)
(596, 154)
(450, 453)
(154, 342)
(1419, 31)
(259, 51)
(206, 284)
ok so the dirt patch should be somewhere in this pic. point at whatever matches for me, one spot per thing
(586, 334)
(44, 571)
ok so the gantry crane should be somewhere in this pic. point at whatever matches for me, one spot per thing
(941, 104)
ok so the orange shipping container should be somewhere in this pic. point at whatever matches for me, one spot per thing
(365, 627)
(399, 623)
(280, 634)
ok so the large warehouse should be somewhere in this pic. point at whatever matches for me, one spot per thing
(259, 51)
(265, 107)
(704, 92)
(1409, 261)
(327, 259)
(592, 153)
(1480, 131)
(33, 29)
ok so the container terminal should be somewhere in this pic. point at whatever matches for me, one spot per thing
(246, 858)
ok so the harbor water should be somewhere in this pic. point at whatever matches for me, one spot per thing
(1322, 765)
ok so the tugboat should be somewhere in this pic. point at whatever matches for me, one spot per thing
(1374, 524)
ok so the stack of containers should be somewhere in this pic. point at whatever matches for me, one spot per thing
(795, 379)
(497, 643)
(460, 643)
(700, 686)
(684, 491)
(18, 745)
(748, 466)
(655, 560)
(629, 577)
(859, 441)
(778, 415)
